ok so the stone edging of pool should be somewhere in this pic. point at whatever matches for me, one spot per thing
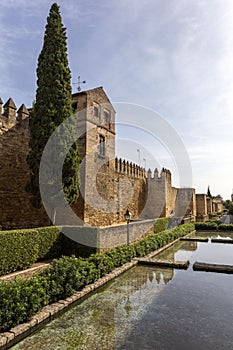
(49, 312)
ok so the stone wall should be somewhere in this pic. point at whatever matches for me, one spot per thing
(108, 186)
(117, 235)
(201, 207)
(16, 210)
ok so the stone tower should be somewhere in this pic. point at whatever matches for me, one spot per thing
(96, 129)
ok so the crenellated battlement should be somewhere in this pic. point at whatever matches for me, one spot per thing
(128, 168)
(164, 174)
(9, 115)
(118, 183)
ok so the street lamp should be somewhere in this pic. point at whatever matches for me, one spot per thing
(190, 215)
(127, 216)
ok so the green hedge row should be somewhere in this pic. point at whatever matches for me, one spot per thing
(225, 227)
(213, 225)
(206, 225)
(21, 299)
(22, 248)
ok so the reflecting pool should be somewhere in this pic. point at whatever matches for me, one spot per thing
(213, 253)
(151, 308)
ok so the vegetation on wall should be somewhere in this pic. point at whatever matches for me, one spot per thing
(21, 299)
(53, 105)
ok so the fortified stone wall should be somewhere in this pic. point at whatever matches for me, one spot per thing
(16, 210)
(108, 185)
(202, 214)
(164, 200)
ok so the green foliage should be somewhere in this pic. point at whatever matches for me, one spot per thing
(67, 275)
(208, 192)
(160, 225)
(215, 225)
(103, 263)
(206, 225)
(21, 248)
(227, 204)
(20, 299)
(50, 242)
(52, 106)
(225, 227)
(230, 211)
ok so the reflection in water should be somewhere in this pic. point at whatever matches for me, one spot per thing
(104, 319)
(151, 308)
(213, 234)
(185, 248)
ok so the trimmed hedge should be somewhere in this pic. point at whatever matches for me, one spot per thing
(21, 299)
(160, 225)
(22, 248)
(206, 225)
(213, 225)
(225, 227)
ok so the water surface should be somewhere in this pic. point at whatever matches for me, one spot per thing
(151, 308)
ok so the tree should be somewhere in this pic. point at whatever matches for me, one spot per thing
(227, 204)
(208, 192)
(230, 211)
(52, 106)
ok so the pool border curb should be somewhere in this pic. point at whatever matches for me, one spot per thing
(51, 311)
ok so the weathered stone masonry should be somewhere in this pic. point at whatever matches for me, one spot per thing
(108, 185)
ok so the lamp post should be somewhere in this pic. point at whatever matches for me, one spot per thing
(190, 215)
(127, 216)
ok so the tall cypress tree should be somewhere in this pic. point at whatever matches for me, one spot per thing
(52, 106)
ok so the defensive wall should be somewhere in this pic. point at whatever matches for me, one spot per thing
(108, 185)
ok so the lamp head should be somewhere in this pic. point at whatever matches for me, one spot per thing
(127, 215)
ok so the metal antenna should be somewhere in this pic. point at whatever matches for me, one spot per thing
(80, 82)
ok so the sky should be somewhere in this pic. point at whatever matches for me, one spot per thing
(173, 58)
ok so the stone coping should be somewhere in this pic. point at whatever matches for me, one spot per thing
(34, 269)
(49, 312)
(200, 239)
(201, 266)
(165, 263)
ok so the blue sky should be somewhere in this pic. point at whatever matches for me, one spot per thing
(174, 57)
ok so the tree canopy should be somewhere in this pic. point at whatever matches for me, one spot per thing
(52, 106)
(208, 192)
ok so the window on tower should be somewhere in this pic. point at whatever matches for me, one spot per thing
(107, 119)
(102, 146)
(96, 111)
